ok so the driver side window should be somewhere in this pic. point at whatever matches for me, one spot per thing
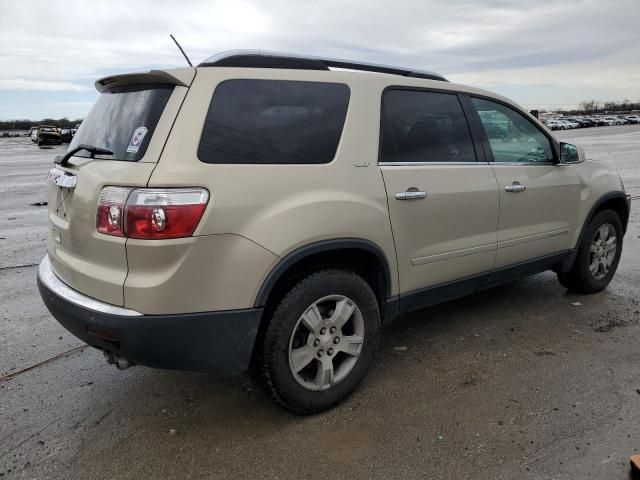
(513, 138)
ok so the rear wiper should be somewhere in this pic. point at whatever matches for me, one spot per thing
(63, 159)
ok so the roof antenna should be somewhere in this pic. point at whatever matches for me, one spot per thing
(185, 55)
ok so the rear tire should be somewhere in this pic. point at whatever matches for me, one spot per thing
(598, 255)
(320, 341)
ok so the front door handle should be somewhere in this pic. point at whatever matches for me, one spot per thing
(411, 195)
(515, 187)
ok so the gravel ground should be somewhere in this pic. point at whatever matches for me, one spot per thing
(521, 381)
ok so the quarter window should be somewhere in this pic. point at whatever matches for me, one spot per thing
(513, 137)
(274, 122)
(421, 126)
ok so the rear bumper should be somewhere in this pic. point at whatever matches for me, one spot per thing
(220, 342)
(53, 140)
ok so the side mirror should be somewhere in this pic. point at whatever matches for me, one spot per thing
(570, 153)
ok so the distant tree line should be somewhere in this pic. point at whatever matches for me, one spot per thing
(26, 124)
(595, 106)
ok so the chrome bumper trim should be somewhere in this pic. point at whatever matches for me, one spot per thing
(52, 282)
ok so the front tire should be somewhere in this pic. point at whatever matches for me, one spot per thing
(598, 255)
(320, 341)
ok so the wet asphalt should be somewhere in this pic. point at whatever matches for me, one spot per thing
(521, 381)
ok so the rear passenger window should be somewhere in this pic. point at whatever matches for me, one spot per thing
(419, 126)
(274, 121)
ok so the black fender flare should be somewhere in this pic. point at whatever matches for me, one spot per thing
(568, 263)
(598, 204)
(318, 247)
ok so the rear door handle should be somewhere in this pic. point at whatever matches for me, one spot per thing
(411, 195)
(515, 188)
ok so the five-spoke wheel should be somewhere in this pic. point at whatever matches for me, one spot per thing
(326, 342)
(320, 340)
(598, 254)
(603, 251)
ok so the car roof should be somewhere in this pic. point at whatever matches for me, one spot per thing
(273, 64)
(284, 60)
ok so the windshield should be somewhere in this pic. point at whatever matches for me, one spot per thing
(123, 121)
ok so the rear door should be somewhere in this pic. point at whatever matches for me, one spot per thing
(443, 202)
(132, 119)
(539, 197)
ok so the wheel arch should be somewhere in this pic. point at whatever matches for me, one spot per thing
(360, 255)
(616, 201)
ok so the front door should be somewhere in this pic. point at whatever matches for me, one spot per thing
(443, 203)
(539, 197)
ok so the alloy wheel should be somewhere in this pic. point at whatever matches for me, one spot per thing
(326, 342)
(603, 251)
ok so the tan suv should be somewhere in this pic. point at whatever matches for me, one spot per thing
(275, 211)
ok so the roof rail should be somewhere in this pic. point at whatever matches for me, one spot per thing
(267, 59)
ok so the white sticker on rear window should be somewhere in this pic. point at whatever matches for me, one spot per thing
(136, 139)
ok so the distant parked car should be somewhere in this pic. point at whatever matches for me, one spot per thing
(584, 122)
(577, 120)
(633, 118)
(66, 135)
(613, 120)
(48, 135)
(605, 121)
(568, 124)
(554, 125)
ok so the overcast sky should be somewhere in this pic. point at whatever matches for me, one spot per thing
(540, 53)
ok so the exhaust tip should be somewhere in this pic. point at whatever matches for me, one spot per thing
(121, 363)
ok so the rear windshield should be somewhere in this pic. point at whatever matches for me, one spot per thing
(123, 121)
(274, 121)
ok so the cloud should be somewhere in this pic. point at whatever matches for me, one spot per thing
(52, 86)
(588, 45)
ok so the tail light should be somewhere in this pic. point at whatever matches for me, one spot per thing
(150, 213)
(164, 213)
(111, 210)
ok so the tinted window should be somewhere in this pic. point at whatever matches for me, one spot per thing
(424, 127)
(512, 136)
(274, 121)
(123, 121)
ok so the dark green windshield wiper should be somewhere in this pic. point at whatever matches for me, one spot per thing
(63, 159)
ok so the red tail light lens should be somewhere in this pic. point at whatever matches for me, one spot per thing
(150, 213)
(111, 206)
(166, 213)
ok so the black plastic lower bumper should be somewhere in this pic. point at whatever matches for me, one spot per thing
(49, 140)
(220, 342)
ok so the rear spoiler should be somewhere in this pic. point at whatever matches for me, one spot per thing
(178, 76)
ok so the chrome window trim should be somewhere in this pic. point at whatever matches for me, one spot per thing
(49, 278)
(411, 164)
(525, 164)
